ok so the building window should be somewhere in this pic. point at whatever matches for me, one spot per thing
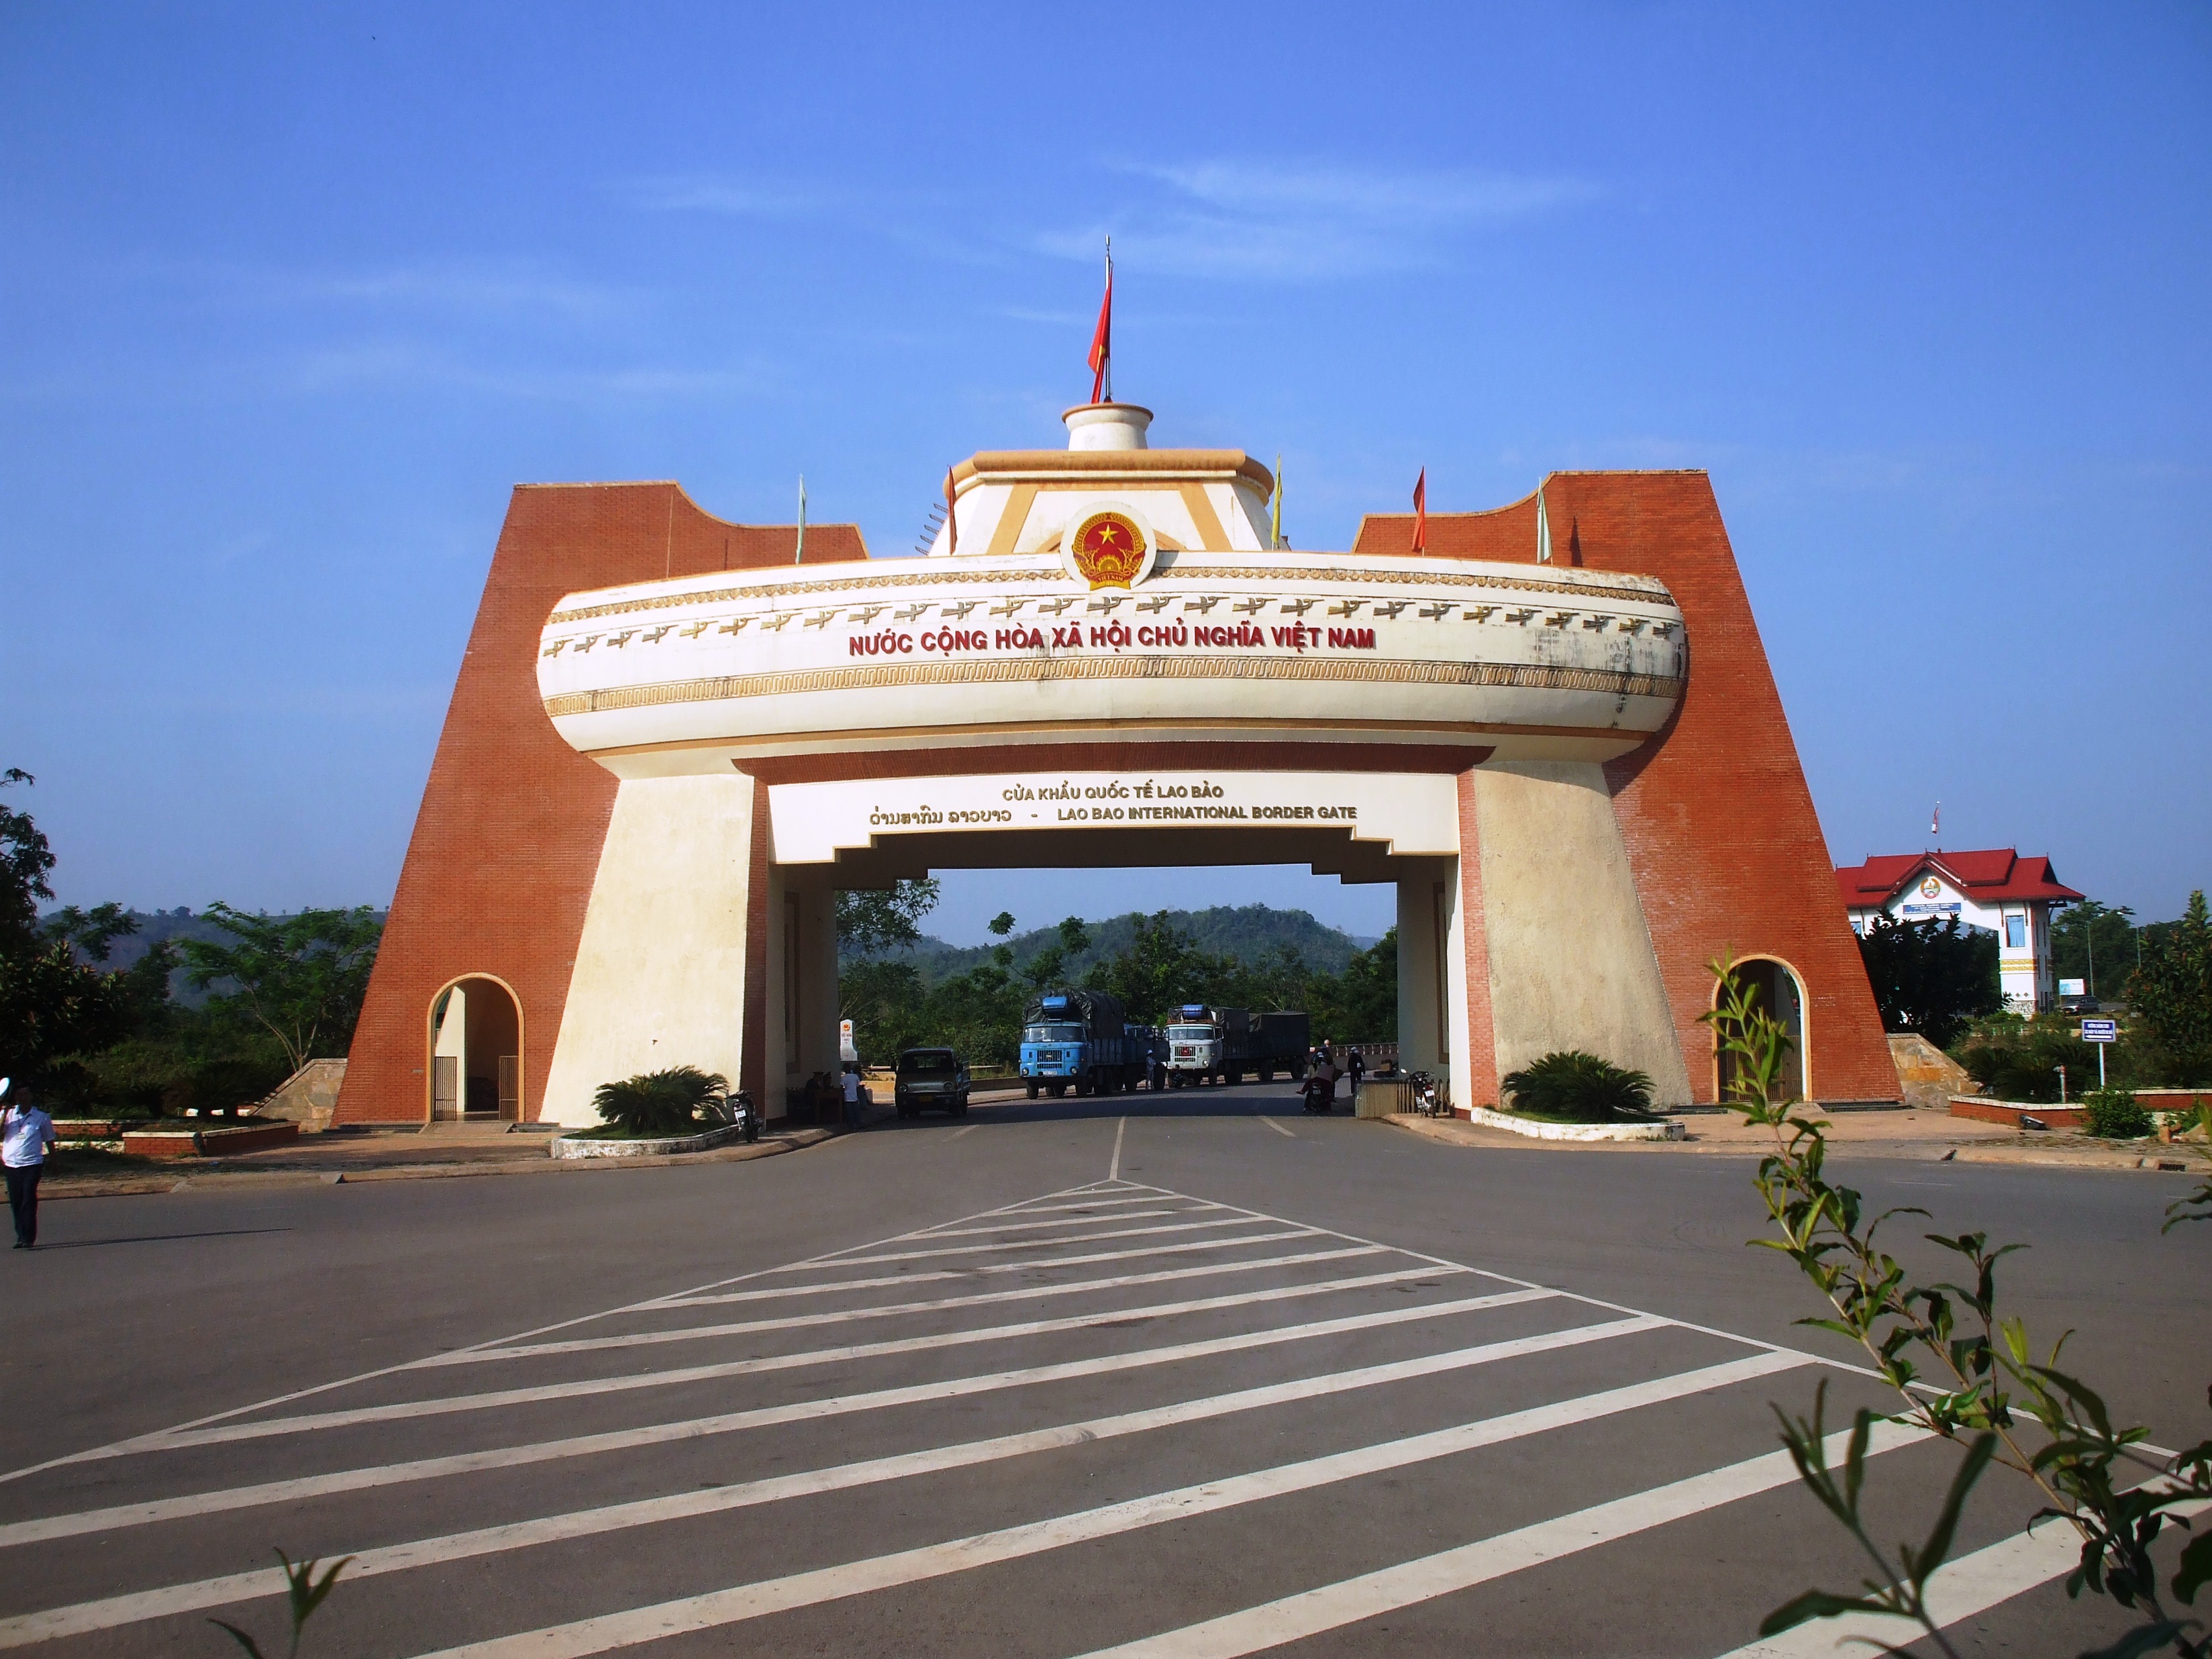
(2016, 932)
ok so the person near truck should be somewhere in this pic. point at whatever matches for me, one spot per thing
(27, 1135)
(1355, 1068)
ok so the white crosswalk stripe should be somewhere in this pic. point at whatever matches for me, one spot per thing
(1219, 1393)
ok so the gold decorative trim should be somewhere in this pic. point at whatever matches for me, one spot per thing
(1196, 502)
(1148, 463)
(1032, 670)
(1008, 530)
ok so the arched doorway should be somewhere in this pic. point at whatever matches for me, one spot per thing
(1775, 991)
(475, 1069)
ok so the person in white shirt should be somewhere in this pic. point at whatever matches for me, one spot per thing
(27, 1135)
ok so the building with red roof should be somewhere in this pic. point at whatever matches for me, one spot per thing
(1995, 889)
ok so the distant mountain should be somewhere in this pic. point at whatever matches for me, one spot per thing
(1251, 933)
(180, 923)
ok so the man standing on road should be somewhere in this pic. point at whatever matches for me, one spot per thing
(1355, 1068)
(27, 1135)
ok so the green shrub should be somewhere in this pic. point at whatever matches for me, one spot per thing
(2113, 1115)
(660, 1102)
(2017, 1059)
(1579, 1087)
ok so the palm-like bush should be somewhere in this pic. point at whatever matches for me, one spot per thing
(1579, 1087)
(660, 1102)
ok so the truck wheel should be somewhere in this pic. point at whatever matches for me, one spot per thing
(1033, 1089)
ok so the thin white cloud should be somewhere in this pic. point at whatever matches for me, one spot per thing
(708, 193)
(412, 362)
(1242, 220)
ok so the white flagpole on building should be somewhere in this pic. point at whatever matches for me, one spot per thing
(800, 553)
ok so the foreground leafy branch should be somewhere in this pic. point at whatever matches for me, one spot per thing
(1960, 1369)
(304, 1593)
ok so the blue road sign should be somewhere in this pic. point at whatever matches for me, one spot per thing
(2100, 1031)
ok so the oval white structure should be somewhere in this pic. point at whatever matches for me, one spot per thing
(1556, 664)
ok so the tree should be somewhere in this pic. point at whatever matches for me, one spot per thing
(300, 978)
(1361, 1003)
(25, 858)
(884, 918)
(1158, 969)
(2171, 992)
(2095, 944)
(53, 1003)
(1930, 977)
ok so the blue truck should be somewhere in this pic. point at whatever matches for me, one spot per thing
(1079, 1040)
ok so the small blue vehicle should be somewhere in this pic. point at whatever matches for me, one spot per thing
(1079, 1040)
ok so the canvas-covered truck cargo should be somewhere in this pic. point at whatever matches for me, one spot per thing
(1079, 1039)
(1210, 1044)
(1282, 1042)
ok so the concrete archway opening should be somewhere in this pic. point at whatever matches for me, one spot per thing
(475, 1070)
(1777, 991)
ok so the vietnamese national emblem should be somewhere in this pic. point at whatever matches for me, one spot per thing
(1108, 549)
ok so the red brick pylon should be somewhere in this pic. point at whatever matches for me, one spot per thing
(506, 843)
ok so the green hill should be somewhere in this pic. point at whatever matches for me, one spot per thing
(1253, 933)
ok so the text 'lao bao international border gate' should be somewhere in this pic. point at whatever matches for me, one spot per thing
(1550, 726)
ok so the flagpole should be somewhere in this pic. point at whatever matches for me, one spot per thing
(1275, 530)
(1108, 360)
(800, 553)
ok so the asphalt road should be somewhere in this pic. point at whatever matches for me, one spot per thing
(1184, 1375)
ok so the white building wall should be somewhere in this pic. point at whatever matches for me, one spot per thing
(2024, 971)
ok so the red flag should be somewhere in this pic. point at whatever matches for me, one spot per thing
(952, 523)
(1102, 340)
(1421, 512)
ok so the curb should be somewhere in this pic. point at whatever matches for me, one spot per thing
(2165, 1160)
(225, 1180)
(1536, 1129)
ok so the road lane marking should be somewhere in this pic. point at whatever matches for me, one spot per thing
(124, 1448)
(1272, 1124)
(1332, 1606)
(231, 1432)
(1092, 1203)
(968, 1334)
(1237, 1220)
(1058, 1221)
(717, 1609)
(964, 1275)
(982, 1299)
(1956, 1590)
(1114, 1169)
(968, 1129)
(113, 1610)
(1587, 1301)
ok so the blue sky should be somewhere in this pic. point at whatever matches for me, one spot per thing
(292, 296)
